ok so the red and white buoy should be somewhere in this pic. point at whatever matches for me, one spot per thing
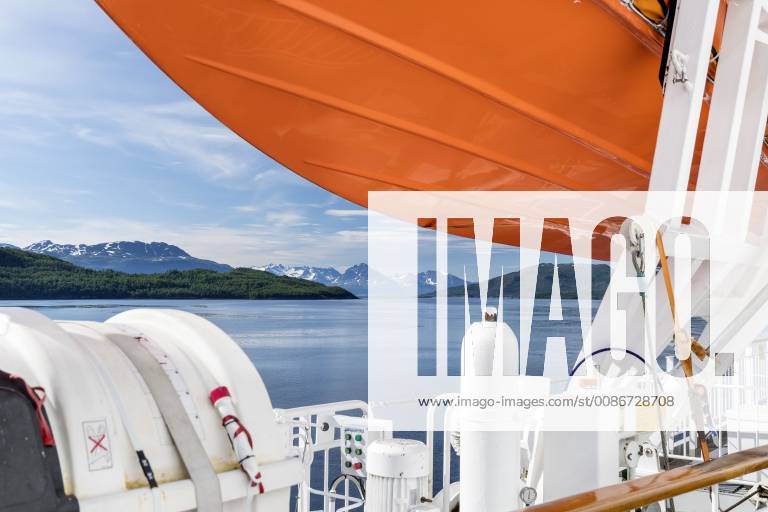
(241, 440)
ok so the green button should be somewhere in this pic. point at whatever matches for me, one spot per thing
(348, 464)
(358, 451)
(358, 438)
(347, 436)
(347, 450)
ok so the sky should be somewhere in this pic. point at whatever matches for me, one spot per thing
(98, 145)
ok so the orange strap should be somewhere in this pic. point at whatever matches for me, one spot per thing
(667, 277)
(687, 364)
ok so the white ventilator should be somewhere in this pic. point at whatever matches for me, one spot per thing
(489, 460)
(398, 472)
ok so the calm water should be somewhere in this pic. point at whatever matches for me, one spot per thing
(297, 344)
(293, 344)
(307, 352)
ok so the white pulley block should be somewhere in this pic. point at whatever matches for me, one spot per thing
(682, 345)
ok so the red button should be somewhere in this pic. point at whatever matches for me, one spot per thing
(358, 465)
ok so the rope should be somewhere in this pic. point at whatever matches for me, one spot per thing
(606, 349)
(636, 242)
(687, 363)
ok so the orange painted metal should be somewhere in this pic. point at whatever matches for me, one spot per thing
(430, 95)
(651, 489)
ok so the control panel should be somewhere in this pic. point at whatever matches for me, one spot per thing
(355, 439)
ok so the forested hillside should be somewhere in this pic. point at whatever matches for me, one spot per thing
(25, 275)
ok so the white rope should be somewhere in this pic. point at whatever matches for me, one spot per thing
(679, 62)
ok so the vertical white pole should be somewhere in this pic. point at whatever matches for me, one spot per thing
(326, 498)
(441, 316)
(719, 152)
(753, 122)
(692, 39)
(691, 46)
(490, 459)
(726, 114)
(749, 144)
(304, 494)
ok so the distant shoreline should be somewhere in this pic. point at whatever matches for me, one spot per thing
(30, 276)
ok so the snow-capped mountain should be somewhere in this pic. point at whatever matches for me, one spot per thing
(134, 257)
(354, 278)
(323, 275)
(428, 281)
(113, 249)
(273, 268)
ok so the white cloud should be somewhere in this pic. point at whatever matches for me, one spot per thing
(238, 246)
(352, 237)
(187, 136)
(247, 208)
(8, 204)
(69, 72)
(89, 135)
(285, 218)
(73, 15)
(346, 213)
(44, 43)
(23, 135)
(268, 174)
(21, 204)
(182, 131)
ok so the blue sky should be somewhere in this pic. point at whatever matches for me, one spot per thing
(97, 144)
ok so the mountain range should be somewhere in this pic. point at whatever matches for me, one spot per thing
(26, 275)
(159, 257)
(601, 275)
(131, 257)
(355, 278)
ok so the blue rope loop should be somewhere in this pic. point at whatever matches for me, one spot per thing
(606, 349)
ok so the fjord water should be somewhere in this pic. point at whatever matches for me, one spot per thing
(307, 351)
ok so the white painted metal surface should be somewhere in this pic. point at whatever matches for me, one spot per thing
(692, 37)
(397, 475)
(313, 430)
(490, 461)
(489, 348)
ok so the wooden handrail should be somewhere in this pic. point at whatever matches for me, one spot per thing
(651, 489)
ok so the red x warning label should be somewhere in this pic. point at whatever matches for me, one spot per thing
(98, 450)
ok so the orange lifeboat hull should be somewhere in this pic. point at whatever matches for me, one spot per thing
(429, 95)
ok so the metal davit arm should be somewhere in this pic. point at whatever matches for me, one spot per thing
(651, 489)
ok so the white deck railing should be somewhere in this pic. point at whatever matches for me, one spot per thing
(308, 433)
